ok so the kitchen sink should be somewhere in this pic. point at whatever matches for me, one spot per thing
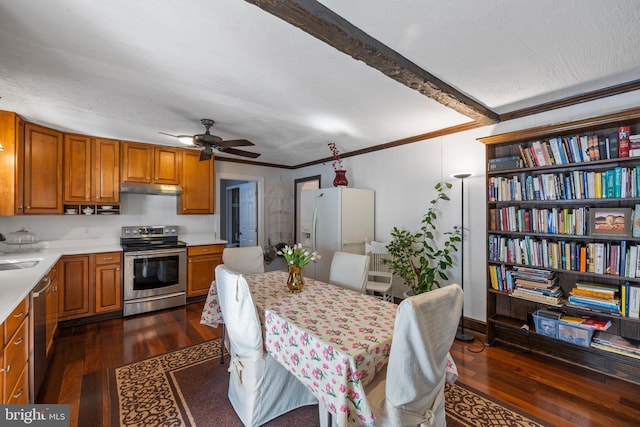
(17, 265)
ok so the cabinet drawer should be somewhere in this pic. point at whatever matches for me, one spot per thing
(16, 353)
(204, 250)
(15, 318)
(108, 258)
(19, 394)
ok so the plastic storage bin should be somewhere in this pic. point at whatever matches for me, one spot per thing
(545, 326)
(575, 334)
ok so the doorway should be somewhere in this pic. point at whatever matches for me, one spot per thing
(240, 207)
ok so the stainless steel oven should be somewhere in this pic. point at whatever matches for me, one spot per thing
(155, 268)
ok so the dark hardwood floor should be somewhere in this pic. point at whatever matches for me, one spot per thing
(559, 394)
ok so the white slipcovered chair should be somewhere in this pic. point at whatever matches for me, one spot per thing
(244, 260)
(380, 278)
(425, 328)
(349, 271)
(260, 388)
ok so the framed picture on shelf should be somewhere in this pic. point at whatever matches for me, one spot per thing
(615, 222)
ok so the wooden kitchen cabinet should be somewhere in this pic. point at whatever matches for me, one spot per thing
(92, 170)
(201, 265)
(150, 164)
(42, 173)
(15, 356)
(108, 274)
(197, 184)
(73, 280)
(11, 159)
(52, 308)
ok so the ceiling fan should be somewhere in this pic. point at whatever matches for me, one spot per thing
(209, 142)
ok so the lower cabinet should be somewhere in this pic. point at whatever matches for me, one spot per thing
(15, 356)
(201, 265)
(108, 282)
(89, 284)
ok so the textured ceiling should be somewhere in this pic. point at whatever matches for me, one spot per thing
(129, 70)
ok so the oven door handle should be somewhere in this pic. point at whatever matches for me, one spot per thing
(155, 253)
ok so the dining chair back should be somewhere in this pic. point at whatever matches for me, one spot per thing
(410, 392)
(260, 389)
(349, 271)
(245, 260)
(379, 278)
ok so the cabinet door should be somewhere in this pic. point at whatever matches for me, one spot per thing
(197, 184)
(73, 280)
(108, 282)
(137, 162)
(42, 170)
(201, 272)
(106, 170)
(12, 139)
(77, 169)
(166, 165)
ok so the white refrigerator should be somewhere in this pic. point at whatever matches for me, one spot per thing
(334, 219)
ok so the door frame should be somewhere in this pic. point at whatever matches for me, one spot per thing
(259, 197)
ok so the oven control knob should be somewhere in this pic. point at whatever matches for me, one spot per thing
(173, 231)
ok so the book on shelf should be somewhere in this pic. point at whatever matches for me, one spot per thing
(634, 145)
(633, 298)
(616, 350)
(612, 142)
(602, 148)
(503, 163)
(623, 141)
(635, 230)
(543, 299)
(616, 341)
(588, 322)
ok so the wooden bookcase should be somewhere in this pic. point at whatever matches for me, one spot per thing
(506, 314)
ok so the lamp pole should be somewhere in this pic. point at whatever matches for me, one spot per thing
(462, 335)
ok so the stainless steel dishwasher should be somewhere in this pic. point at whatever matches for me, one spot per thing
(38, 336)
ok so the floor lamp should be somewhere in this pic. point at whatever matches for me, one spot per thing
(462, 335)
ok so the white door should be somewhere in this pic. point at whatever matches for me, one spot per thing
(248, 214)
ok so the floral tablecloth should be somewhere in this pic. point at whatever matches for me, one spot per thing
(333, 339)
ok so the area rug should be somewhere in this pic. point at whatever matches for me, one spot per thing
(188, 387)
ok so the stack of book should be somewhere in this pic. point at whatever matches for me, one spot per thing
(616, 344)
(504, 163)
(537, 285)
(587, 322)
(594, 297)
(634, 145)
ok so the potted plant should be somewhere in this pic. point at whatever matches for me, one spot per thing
(416, 257)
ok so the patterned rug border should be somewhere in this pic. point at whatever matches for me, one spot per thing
(158, 374)
(168, 365)
(522, 418)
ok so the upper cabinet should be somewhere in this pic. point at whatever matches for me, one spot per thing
(12, 140)
(92, 169)
(42, 173)
(197, 184)
(146, 164)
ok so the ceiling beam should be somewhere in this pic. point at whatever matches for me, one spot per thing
(323, 24)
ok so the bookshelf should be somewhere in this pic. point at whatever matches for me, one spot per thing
(548, 190)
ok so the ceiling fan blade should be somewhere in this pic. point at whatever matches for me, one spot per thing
(240, 152)
(205, 154)
(168, 134)
(236, 143)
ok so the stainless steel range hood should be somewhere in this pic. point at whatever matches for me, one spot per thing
(162, 189)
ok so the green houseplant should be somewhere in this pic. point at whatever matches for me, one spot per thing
(416, 257)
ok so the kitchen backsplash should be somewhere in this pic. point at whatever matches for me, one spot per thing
(135, 209)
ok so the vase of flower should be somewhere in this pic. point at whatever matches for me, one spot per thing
(297, 257)
(295, 282)
(341, 178)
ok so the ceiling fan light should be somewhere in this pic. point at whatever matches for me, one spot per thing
(185, 139)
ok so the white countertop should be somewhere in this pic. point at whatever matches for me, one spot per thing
(15, 285)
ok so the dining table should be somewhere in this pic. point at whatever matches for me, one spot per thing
(334, 340)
